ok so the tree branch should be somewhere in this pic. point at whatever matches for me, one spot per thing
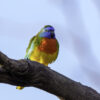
(29, 73)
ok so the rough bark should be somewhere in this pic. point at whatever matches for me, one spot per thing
(29, 73)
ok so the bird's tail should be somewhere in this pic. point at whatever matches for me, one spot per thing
(19, 87)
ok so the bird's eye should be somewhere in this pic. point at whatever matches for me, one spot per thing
(46, 30)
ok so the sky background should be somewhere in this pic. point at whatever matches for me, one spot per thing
(77, 25)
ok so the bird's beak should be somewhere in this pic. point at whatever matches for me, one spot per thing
(52, 35)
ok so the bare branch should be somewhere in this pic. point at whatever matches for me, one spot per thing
(29, 73)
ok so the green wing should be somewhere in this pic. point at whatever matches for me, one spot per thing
(30, 48)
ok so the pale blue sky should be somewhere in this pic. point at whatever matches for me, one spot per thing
(21, 19)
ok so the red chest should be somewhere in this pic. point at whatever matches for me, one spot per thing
(48, 45)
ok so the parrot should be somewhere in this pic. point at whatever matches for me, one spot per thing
(43, 47)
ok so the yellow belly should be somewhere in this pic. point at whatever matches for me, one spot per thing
(42, 57)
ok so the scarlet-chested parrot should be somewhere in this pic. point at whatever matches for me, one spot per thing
(43, 47)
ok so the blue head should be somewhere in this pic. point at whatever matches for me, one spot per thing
(47, 32)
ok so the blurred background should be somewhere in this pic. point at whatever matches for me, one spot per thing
(77, 25)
